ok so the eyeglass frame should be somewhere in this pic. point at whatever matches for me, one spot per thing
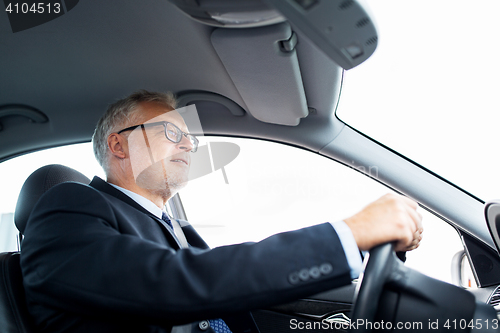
(195, 142)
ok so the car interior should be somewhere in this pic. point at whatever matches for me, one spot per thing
(270, 70)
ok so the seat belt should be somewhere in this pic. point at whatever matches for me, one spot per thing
(179, 233)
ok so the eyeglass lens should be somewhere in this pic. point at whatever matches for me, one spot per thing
(174, 134)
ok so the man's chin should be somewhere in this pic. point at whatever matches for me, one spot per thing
(177, 185)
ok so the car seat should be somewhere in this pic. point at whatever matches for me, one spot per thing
(14, 315)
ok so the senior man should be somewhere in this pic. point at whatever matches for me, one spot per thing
(106, 257)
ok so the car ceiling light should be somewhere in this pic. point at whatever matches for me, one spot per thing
(230, 13)
(249, 19)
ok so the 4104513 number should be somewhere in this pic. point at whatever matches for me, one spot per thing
(35, 8)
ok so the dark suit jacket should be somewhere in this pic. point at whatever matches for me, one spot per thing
(93, 260)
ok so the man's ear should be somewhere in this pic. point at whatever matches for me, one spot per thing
(117, 145)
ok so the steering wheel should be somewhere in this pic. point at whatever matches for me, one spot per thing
(381, 268)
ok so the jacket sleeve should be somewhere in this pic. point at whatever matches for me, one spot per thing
(74, 257)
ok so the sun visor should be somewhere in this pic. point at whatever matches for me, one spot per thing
(263, 65)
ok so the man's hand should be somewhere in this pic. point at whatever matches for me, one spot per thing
(388, 219)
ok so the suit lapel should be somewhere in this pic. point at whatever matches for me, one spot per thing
(103, 186)
(193, 238)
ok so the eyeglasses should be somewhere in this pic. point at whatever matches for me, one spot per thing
(172, 132)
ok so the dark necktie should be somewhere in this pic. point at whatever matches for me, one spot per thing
(165, 218)
(219, 326)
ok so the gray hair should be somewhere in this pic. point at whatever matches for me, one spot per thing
(120, 113)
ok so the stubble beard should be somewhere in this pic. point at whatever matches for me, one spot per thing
(160, 182)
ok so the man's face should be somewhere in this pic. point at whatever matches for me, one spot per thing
(159, 164)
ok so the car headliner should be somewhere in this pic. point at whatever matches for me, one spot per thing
(72, 67)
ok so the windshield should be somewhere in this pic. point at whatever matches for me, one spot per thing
(430, 89)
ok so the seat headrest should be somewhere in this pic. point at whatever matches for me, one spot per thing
(39, 182)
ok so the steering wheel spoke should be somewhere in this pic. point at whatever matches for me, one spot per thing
(381, 268)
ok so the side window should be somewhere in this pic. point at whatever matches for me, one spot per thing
(270, 188)
(14, 172)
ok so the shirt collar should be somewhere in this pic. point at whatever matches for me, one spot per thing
(145, 203)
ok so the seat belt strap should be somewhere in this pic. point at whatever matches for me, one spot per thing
(179, 233)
